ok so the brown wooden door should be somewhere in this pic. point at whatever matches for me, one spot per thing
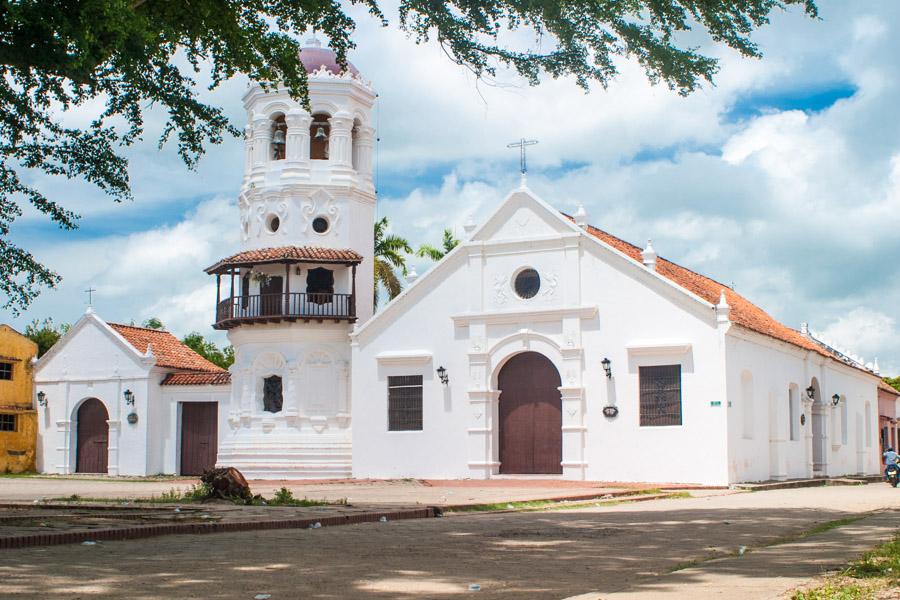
(92, 437)
(199, 436)
(530, 416)
(271, 295)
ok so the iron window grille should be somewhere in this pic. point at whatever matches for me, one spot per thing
(660, 388)
(6, 370)
(527, 284)
(272, 394)
(405, 403)
(7, 422)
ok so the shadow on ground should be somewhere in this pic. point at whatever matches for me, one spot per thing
(534, 555)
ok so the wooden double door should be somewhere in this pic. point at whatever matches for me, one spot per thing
(199, 436)
(92, 437)
(530, 416)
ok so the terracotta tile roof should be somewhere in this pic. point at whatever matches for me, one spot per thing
(168, 350)
(743, 312)
(197, 379)
(886, 388)
(288, 254)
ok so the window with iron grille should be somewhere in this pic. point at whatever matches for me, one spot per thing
(660, 395)
(5, 370)
(405, 403)
(7, 422)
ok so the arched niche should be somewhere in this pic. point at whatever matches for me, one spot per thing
(319, 135)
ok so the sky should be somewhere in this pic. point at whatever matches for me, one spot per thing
(782, 179)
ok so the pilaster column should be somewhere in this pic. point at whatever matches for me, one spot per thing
(112, 464)
(340, 140)
(298, 123)
(262, 141)
(808, 434)
(248, 150)
(64, 430)
(365, 146)
(573, 432)
(291, 407)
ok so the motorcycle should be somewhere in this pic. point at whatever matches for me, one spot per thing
(892, 474)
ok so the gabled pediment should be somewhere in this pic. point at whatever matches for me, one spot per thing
(523, 215)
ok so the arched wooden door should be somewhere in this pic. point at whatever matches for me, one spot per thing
(92, 437)
(530, 416)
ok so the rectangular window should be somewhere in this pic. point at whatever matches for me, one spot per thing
(405, 403)
(7, 422)
(660, 395)
(6, 370)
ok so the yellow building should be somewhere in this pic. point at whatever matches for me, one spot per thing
(18, 417)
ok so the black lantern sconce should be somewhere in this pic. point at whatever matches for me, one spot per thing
(129, 397)
(835, 400)
(442, 374)
(811, 393)
(607, 366)
(42, 398)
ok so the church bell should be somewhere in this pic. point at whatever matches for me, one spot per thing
(320, 133)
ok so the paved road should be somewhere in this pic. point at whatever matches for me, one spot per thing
(598, 551)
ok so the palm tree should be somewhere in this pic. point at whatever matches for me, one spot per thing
(450, 242)
(389, 251)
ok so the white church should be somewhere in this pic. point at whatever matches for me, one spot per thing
(540, 346)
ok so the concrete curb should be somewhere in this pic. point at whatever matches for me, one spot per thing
(463, 509)
(130, 533)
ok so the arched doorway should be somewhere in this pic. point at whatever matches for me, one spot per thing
(530, 416)
(92, 439)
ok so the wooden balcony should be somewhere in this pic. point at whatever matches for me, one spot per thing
(274, 308)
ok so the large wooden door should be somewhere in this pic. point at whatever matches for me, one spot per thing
(199, 436)
(92, 437)
(530, 416)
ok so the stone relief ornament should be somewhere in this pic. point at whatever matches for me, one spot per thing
(320, 204)
(500, 296)
(551, 280)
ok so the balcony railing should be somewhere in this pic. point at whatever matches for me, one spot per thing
(277, 307)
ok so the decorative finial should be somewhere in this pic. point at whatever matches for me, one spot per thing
(804, 328)
(523, 181)
(723, 310)
(312, 41)
(470, 225)
(649, 256)
(411, 275)
(581, 217)
(875, 368)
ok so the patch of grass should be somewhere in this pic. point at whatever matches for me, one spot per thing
(285, 497)
(876, 570)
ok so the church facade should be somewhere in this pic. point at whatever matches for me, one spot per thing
(544, 346)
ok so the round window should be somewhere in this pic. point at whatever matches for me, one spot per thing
(527, 283)
(273, 223)
(320, 224)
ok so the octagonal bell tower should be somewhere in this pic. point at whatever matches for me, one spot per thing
(303, 276)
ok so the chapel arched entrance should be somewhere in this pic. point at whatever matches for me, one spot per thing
(92, 437)
(530, 411)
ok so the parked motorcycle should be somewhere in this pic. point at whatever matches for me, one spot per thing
(892, 474)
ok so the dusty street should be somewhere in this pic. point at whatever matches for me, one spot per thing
(555, 554)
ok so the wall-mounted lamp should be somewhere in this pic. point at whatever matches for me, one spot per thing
(129, 397)
(607, 366)
(811, 393)
(835, 400)
(442, 374)
(42, 398)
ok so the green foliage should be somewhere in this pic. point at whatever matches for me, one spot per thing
(116, 58)
(45, 333)
(894, 382)
(875, 571)
(222, 357)
(153, 323)
(448, 243)
(389, 255)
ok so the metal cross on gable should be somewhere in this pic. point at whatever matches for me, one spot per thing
(90, 292)
(521, 145)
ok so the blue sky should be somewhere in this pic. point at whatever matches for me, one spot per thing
(783, 178)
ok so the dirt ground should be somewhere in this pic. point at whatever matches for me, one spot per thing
(553, 554)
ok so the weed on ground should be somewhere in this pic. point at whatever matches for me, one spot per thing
(868, 578)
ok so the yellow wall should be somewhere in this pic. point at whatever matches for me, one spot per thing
(17, 448)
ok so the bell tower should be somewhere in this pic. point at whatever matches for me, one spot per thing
(303, 276)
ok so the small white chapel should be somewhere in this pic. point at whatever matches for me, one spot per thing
(540, 346)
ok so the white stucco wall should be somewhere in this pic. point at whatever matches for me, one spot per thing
(593, 304)
(765, 450)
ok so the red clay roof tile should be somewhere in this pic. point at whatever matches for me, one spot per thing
(197, 379)
(168, 350)
(743, 312)
(288, 254)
